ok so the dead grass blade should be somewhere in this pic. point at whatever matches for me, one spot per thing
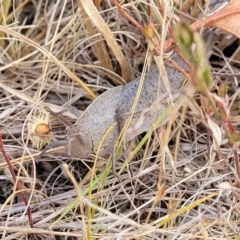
(103, 28)
(47, 54)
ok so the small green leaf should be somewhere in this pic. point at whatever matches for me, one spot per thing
(223, 89)
(184, 37)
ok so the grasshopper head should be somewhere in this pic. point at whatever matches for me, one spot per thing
(79, 142)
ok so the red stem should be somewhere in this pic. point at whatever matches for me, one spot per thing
(19, 183)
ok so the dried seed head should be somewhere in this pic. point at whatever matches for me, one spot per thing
(42, 128)
(39, 129)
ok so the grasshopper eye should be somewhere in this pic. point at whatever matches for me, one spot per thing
(79, 142)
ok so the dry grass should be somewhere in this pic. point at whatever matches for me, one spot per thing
(183, 190)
